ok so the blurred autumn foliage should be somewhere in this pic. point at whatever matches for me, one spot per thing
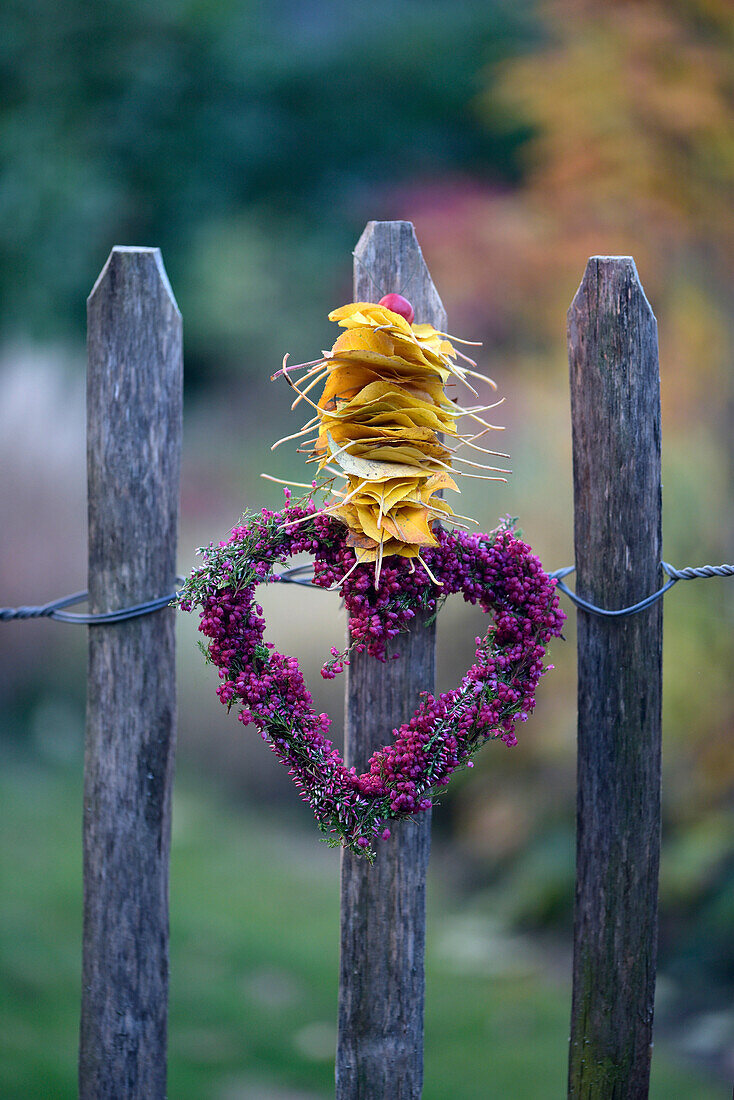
(631, 110)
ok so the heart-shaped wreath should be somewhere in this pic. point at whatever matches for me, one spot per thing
(498, 571)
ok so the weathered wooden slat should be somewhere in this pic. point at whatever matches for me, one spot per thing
(381, 984)
(134, 394)
(615, 406)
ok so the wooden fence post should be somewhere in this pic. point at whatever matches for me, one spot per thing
(615, 408)
(381, 981)
(134, 395)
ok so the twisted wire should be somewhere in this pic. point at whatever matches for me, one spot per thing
(689, 573)
(55, 610)
(302, 574)
(693, 572)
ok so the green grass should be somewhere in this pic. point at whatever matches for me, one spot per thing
(254, 953)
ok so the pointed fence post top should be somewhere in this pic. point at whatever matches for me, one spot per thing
(389, 260)
(615, 412)
(134, 408)
(131, 269)
(610, 283)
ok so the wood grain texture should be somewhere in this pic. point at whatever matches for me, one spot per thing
(134, 400)
(615, 408)
(381, 982)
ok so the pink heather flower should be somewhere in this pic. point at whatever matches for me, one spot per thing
(497, 571)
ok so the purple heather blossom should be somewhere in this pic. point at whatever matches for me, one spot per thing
(498, 571)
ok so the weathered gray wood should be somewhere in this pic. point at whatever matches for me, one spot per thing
(615, 407)
(134, 393)
(381, 984)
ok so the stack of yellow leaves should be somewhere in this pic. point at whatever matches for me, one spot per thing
(386, 431)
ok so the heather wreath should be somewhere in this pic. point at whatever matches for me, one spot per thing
(497, 571)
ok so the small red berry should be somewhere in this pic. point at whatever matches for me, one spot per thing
(398, 304)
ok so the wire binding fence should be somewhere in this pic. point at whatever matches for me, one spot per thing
(302, 574)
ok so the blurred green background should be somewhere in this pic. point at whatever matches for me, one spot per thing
(251, 142)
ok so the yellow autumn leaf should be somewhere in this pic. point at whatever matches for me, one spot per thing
(365, 468)
(441, 481)
(367, 313)
(364, 339)
(390, 365)
(349, 377)
(410, 525)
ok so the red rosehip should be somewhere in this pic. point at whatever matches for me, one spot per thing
(398, 304)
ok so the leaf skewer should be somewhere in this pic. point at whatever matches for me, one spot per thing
(384, 426)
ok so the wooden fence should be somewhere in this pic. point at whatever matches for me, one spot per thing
(134, 405)
(134, 443)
